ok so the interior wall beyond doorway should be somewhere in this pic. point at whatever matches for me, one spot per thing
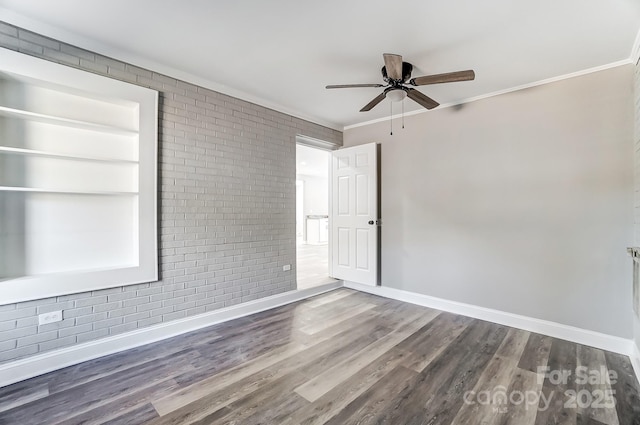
(312, 171)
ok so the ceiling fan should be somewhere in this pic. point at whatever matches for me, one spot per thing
(397, 74)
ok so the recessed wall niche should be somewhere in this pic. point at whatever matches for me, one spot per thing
(77, 180)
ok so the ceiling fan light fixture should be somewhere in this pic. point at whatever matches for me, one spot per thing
(396, 73)
(396, 95)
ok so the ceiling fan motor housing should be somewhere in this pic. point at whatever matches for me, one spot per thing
(407, 68)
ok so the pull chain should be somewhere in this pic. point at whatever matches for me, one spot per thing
(402, 113)
(391, 117)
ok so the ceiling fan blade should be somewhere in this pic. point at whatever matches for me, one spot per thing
(369, 106)
(448, 77)
(393, 63)
(422, 99)
(348, 86)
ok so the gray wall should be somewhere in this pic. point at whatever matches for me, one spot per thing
(521, 202)
(227, 210)
(636, 138)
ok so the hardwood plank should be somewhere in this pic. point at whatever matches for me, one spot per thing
(346, 347)
(63, 405)
(523, 382)
(138, 416)
(495, 380)
(92, 370)
(327, 322)
(429, 343)
(18, 395)
(329, 298)
(269, 406)
(217, 382)
(371, 404)
(435, 395)
(362, 319)
(449, 377)
(228, 353)
(562, 357)
(135, 405)
(444, 386)
(300, 314)
(330, 378)
(224, 395)
(627, 390)
(103, 367)
(331, 403)
(213, 418)
(555, 414)
(591, 359)
(392, 362)
(513, 346)
(208, 390)
(392, 309)
(536, 352)
(585, 420)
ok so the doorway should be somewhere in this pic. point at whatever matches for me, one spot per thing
(312, 216)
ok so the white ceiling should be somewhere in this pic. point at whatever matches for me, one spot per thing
(281, 53)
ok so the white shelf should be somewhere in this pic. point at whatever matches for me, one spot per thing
(50, 119)
(78, 158)
(66, 192)
(22, 151)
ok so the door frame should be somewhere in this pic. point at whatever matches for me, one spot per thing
(312, 142)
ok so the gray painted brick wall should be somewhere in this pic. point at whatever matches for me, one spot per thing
(226, 214)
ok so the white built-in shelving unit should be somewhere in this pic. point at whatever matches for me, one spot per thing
(77, 180)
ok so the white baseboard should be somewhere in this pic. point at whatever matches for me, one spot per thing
(30, 367)
(557, 330)
(43, 363)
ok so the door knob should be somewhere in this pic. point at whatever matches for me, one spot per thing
(371, 222)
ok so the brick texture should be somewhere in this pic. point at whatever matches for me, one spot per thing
(226, 178)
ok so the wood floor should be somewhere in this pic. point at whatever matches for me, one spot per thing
(340, 358)
(312, 265)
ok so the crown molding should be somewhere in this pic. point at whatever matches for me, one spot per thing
(634, 57)
(103, 49)
(121, 55)
(500, 92)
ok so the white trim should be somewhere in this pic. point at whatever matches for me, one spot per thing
(553, 329)
(500, 92)
(21, 370)
(635, 50)
(635, 360)
(43, 363)
(141, 123)
(316, 143)
(118, 54)
(106, 50)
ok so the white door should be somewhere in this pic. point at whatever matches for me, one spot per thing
(354, 214)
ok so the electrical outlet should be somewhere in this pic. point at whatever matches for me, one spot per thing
(286, 268)
(51, 317)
